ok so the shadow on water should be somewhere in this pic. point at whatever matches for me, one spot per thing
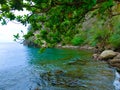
(56, 69)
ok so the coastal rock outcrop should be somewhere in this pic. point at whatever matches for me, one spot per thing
(107, 54)
(115, 62)
(112, 57)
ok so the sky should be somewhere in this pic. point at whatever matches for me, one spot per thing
(7, 31)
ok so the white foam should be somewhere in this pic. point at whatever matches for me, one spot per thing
(116, 82)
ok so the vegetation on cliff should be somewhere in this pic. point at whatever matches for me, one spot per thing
(76, 22)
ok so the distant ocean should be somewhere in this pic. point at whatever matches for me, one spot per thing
(15, 71)
(12, 54)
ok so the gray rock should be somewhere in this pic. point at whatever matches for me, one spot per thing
(118, 56)
(107, 54)
(115, 63)
(95, 56)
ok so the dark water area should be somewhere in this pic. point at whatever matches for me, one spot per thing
(25, 68)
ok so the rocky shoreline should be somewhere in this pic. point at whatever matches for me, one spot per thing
(60, 77)
(111, 57)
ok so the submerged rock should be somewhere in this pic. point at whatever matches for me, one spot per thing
(107, 54)
(76, 61)
(59, 78)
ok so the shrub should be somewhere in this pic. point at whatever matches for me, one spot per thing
(98, 37)
(78, 39)
(114, 40)
(66, 40)
(29, 34)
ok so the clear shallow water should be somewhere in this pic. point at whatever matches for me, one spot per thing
(21, 66)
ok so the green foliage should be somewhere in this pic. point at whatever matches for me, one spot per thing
(57, 20)
(16, 4)
(16, 37)
(114, 40)
(98, 37)
(11, 16)
(2, 1)
(78, 39)
(42, 50)
(101, 35)
(5, 8)
(106, 5)
(66, 40)
(3, 22)
(29, 34)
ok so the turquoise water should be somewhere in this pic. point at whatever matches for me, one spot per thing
(21, 67)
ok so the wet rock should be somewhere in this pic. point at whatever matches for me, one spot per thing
(37, 88)
(53, 82)
(115, 63)
(58, 72)
(59, 78)
(72, 83)
(107, 54)
(30, 42)
(118, 56)
(51, 75)
(72, 62)
(95, 56)
(76, 61)
(86, 47)
(70, 46)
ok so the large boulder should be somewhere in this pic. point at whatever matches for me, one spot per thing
(107, 54)
(115, 62)
(118, 56)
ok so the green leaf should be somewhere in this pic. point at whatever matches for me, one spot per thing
(4, 22)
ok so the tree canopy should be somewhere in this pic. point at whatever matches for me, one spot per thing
(55, 11)
(55, 19)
